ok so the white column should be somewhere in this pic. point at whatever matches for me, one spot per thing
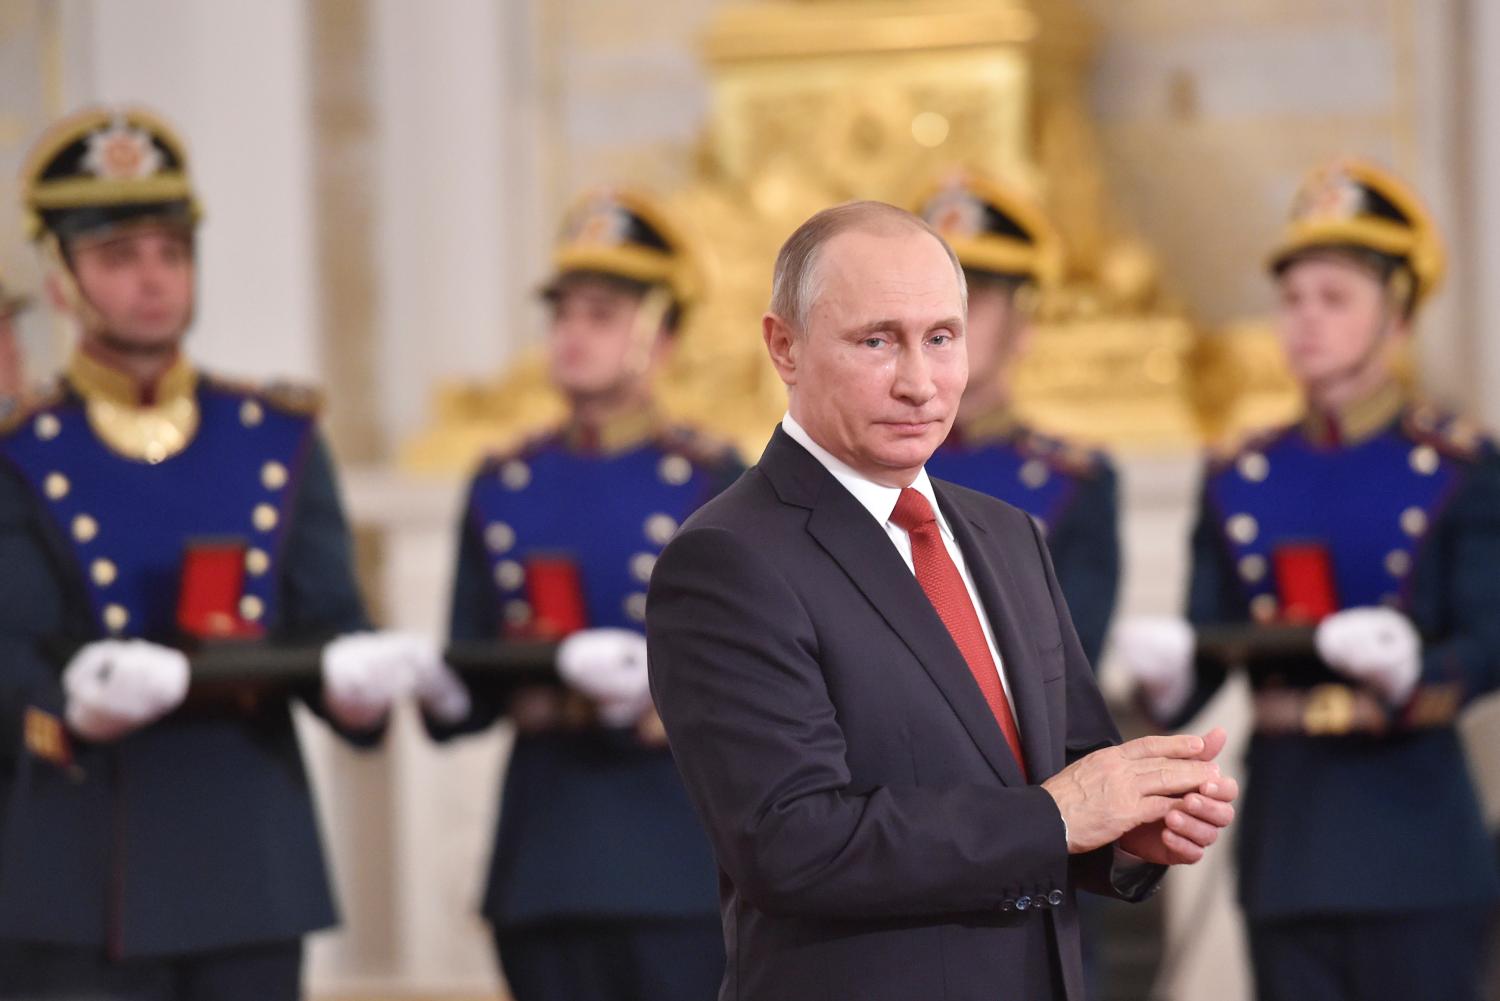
(444, 210)
(451, 226)
(1483, 129)
(232, 77)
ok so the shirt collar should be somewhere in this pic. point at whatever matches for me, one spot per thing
(877, 498)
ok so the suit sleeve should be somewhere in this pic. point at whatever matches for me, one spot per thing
(1085, 550)
(735, 673)
(1455, 604)
(320, 598)
(33, 614)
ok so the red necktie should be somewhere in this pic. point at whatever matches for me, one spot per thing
(945, 588)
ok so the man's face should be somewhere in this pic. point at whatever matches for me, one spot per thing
(140, 282)
(877, 375)
(997, 334)
(592, 341)
(1330, 314)
(11, 378)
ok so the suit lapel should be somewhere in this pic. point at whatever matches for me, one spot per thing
(844, 528)
(998, 591)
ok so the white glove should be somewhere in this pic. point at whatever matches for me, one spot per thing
(609, 666)
(440, 691)
(1378, 647)
(1157, 651)
(116, 686)
(365, 673)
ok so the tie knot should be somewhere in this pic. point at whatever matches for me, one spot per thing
(912, 511)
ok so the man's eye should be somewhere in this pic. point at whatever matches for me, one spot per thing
(940, 339)
(873, 342)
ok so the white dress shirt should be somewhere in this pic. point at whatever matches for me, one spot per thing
(880, 501)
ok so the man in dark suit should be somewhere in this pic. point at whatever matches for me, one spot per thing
(870, 681)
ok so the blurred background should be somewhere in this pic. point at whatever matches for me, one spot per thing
(382, 181)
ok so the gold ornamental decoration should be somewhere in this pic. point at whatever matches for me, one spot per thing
(816, 102)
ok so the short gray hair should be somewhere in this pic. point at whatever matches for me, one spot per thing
(796, 281)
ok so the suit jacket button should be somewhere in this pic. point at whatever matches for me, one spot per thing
(1022, 903)
(1055, 898)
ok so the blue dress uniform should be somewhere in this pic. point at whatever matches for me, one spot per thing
(188, 851)
(599, 862)
(1070, 491)
(1365, 868)
(1372, 840)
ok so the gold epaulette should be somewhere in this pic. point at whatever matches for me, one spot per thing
(520, 448)
(293, 398)
(1454, 436)
(697, 446)
(1058, 453)
(296, 399)
(1227, 451)
(31, 401)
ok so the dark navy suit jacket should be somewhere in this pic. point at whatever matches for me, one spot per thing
(876, 837)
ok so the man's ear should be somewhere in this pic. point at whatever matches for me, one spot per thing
(781, 344)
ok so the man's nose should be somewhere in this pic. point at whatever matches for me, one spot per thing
(154, 272)
(914, 382)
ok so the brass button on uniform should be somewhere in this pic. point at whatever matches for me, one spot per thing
(515, 474)
(641, 565)
(273, 475)
(674, 470)
(660, 528)
(257, 562)
(1414, 522)
(56, 486)
(499, 537)
(509, 575)
(264, 517)
(104, 572)
(1253, 467)
(85, 528)
(1242, 528)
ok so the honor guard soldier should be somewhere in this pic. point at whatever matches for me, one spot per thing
(12, 365)
(155, 843)
(1010, 252)
(1365, 871)
(602, 885)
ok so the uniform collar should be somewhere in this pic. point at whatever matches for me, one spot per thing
(877, 498)
(96, 381)
(616, 435)
(990, 425)
(1358, 421)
